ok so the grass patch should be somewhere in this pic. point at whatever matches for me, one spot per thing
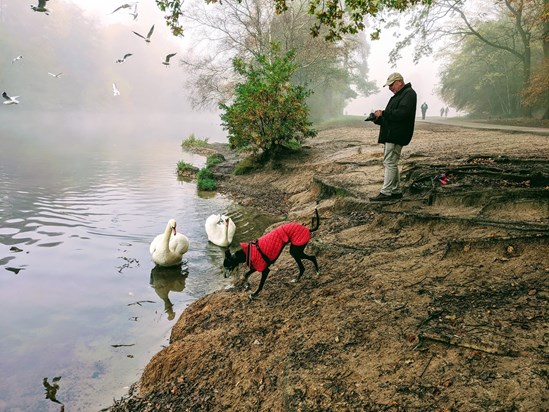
(186, 169)
(193, 141)
(214, 159)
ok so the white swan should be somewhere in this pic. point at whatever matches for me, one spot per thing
(220, 230)
(168, 250)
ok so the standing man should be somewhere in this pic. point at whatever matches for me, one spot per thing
(424, 108)
(397, 128)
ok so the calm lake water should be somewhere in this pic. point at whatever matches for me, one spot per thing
(81, 198)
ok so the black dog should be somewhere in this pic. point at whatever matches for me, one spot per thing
(263, 252)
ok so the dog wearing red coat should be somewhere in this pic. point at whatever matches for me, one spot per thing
(261, 253)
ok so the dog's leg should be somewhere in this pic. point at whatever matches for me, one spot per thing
(264, 275)
(246, 276)
(298, 253)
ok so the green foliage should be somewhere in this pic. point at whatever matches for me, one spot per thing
(339, 18)
(268, 112)
(184, 167)
(206, 180)
(192, 141)
(214, 159)
(206, 185)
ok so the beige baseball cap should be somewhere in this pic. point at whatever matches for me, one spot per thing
(393, 77)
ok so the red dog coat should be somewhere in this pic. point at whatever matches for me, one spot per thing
(273, 242)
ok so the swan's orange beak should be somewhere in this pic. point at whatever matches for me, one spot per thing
(174, 232)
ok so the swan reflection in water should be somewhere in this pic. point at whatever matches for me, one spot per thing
(165, 280)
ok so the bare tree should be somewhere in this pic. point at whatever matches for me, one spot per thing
(455, 20)
(247, 28)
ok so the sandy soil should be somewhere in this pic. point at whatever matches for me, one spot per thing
(437, 302)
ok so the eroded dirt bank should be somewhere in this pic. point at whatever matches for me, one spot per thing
(437, 302)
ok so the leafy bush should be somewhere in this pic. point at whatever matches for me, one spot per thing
(268, 112)
(207, 185)
(206, 180)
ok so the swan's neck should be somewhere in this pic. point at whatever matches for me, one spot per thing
(167, 234)
(227, 231)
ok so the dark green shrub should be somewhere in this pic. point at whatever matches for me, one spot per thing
(206, 180)
(268, 111)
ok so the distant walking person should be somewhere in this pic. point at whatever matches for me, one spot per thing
(446, 112)
(424, 108)
(441, 111)
(397, 128)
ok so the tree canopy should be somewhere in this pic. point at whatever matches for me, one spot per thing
(338, 17)
(516, 32)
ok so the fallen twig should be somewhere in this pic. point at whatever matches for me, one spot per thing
(389, 312)
(416, 283)
(451, 340)
(426, 365)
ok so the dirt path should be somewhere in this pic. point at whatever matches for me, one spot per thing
(438, 302)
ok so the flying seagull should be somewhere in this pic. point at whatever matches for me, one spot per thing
(166, 61)
(148, 38)
(55, 75)
(124, 6)
(10, 100)
(134, 13)
(16, 59)
(115, 91)
(41, 7)
(123, 59)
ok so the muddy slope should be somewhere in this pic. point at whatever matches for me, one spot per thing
(438, 302)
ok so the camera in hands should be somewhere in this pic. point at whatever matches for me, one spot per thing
(371, 117)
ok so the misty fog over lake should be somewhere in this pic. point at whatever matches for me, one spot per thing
(87, 180)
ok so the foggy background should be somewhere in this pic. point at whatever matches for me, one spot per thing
(82, 39)
(84, 44)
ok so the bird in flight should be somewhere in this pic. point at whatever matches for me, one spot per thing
(148, 38)
(134, 12)
(123, 59)
(41, 7)
(123, 6)
(10, 100)
(166, 61)
(16, 59)
(55, 75)
(115, 91)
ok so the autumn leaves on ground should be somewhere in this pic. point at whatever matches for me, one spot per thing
(438, 302)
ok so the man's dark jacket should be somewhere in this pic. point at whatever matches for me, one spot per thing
(398, 119)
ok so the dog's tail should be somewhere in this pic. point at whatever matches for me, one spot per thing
(315, 221)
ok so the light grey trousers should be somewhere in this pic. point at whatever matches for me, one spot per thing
(391, 157)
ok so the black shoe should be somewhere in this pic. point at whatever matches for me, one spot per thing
(381, 198)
